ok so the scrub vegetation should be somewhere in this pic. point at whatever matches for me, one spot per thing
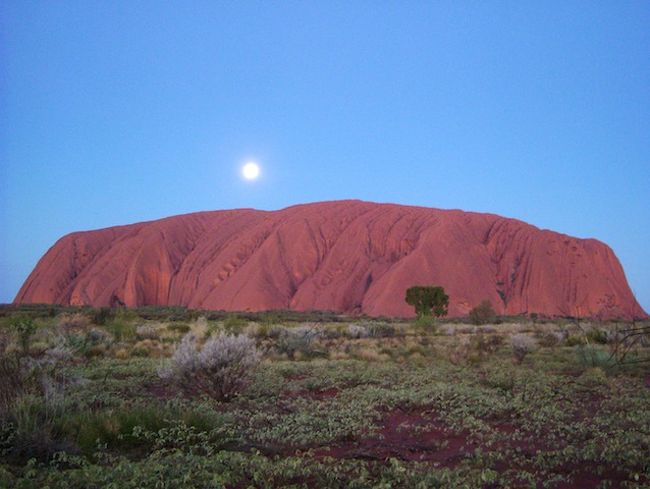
(171, 398)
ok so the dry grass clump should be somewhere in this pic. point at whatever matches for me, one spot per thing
(22, 374)
(465, 329)
(370, 329)
(447, 329)
(176, 328)
(471, 349)
(68, 323)
(146, 332)
(594, 376)
(458, 352)
(200, 327)
(338, 354)
(370, 355)
(516, 328)
(551, 339)
(148, 348)
(121, 354)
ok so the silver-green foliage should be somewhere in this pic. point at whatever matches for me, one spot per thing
(220, 370)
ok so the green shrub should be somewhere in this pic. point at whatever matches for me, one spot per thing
(427, 323)
(24, 327)
(82, 344)
(69, 323)
(139, 351)
(11, 381)
(181, 328)
(549, 339)
(428, 300)
(485, 344)
(263, 330)
(126, 314)
(121, 329)
(113, 428)
(103, 315)
(234, 324)
(269, 319)
(484, 313)
(593, 377)
(296, 340)
(598, 336)
(590, 356)
(32, 428)
(575, 340)
(380, 330)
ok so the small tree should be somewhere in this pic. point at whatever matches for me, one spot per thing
(428, 300)
(24, 327)
(483, 313)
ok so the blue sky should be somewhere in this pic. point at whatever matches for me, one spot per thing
(116, 112)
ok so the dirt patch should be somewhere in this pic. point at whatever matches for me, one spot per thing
(161, 391)
(316, 395)
(416, 436)
(590, 476)
(166, 392)
(512, 438)
(295, 377)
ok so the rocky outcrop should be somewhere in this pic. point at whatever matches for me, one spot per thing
(347, 256)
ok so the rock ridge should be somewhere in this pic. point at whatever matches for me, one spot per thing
(349, 256)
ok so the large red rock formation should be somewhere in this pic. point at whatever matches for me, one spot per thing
(347, 256)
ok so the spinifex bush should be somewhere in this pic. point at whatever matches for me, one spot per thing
(381, 330)
(103, 315)
(11, 381)
(474, 349)
(550, 339)
(234, 324)
(485, 345)
(31, 402)
(220, 370)
(72, 323)
(597, 336)
(42, 376)
(121, 329)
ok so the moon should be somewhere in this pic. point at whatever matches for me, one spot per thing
(250, 170)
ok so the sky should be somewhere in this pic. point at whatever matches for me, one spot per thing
(118, 112)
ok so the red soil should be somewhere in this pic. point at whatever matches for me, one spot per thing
(410, 436)
(419, 436)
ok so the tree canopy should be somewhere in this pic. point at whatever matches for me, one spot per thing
(428, 300)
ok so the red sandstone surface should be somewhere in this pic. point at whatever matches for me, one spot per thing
(347, 256)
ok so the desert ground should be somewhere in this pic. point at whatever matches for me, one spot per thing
(174, 398)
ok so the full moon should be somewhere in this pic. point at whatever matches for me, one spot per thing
(251, 171)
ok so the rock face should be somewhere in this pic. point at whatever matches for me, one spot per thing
(346, 256)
